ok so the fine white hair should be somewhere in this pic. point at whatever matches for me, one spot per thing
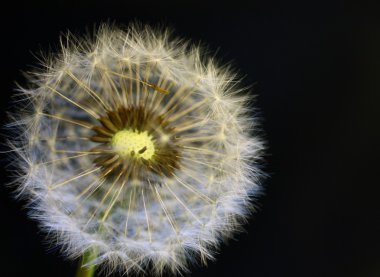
(157, 222)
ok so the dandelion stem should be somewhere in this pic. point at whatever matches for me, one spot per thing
(86, 271)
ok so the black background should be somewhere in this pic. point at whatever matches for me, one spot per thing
(316, 70)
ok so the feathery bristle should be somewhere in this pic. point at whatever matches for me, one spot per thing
(133, 144)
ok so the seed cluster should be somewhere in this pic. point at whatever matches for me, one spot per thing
(136, 148)
(127, 123)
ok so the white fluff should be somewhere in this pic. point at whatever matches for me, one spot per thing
(171, 223)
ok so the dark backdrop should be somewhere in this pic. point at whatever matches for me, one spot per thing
(316, 72)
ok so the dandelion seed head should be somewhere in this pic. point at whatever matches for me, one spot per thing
(135, 145)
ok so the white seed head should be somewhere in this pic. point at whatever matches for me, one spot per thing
(134, 145)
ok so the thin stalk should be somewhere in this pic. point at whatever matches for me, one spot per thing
(86, 271)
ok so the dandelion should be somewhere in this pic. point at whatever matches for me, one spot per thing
(135, 151)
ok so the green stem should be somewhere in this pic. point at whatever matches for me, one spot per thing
(87, 271)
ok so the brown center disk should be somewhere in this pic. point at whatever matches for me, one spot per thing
(165, 159)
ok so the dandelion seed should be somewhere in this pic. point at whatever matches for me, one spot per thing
(137, 149)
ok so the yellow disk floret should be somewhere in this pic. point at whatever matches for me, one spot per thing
(133, 143)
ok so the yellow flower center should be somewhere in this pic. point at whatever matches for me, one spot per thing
(133, 143)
